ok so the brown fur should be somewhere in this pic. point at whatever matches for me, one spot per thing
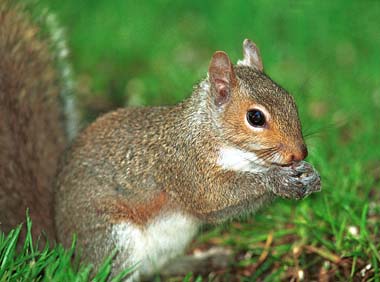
(121, 209)
(259, 90)
(31, 132)
(134, 154)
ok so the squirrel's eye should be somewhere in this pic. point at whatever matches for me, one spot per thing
(256, 118)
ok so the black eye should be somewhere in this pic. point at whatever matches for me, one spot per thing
(256, 118)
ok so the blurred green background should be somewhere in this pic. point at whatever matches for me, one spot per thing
(326, 53)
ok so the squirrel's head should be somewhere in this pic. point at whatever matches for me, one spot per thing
(259, 119)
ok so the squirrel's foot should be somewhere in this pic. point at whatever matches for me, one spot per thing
(296, 181)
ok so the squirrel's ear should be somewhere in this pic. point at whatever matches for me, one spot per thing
(222, 77)
(252, 56)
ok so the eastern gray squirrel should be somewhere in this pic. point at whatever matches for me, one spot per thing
(142, 180)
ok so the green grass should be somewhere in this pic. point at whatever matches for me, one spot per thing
(325, 53)
(32, 262)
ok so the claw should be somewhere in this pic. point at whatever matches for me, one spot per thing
(306, 180)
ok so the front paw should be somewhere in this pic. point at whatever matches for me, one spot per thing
(296, 181)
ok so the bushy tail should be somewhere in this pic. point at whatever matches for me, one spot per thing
(35, 126)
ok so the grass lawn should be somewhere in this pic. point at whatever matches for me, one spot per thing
(326, 53)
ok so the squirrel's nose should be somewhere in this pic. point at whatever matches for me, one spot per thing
(299, 154)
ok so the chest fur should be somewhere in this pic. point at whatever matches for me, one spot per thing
(151, 246)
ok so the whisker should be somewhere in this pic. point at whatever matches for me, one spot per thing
(268, 154)
(265, 155)
(264, 152)
(316, 130)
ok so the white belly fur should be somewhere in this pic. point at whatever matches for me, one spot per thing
(151, 247)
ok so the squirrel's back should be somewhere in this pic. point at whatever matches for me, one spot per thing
(32, 120)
